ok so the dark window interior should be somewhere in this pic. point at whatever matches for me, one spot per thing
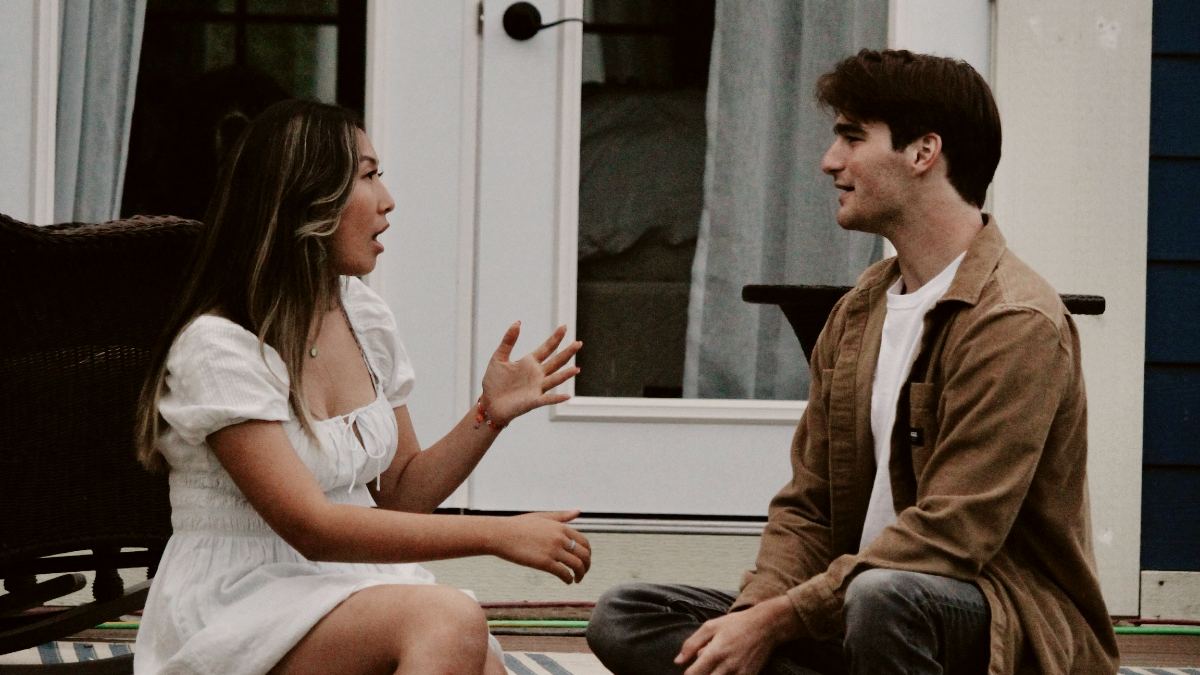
(208, 67)
(642, 151)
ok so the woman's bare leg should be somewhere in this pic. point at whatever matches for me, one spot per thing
(495, 665)
(397, 629)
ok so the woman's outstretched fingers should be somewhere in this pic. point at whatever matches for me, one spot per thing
(558, 378)
(507, 342)
(559, 359)
(547, 348)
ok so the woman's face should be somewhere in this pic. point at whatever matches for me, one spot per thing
(355, 245)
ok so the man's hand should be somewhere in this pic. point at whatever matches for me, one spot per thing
(740, 643)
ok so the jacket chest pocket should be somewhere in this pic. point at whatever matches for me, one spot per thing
(922, 424)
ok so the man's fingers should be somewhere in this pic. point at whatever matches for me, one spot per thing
(692, 645)
(709, 662)
(504, 351)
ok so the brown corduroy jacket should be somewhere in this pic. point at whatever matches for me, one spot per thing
(988, 474)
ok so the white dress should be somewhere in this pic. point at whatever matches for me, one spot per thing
(231, 597)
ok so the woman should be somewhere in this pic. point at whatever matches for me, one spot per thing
(277, 400)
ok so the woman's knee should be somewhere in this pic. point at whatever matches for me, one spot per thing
(449, 614)
(435, 624)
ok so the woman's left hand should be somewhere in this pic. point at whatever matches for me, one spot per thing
(513, 388)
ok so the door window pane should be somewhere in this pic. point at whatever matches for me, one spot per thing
(645, 72)
(207, 67)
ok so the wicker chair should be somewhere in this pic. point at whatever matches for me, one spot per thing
(81, 306)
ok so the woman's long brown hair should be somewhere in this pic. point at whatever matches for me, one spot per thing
(263, 259)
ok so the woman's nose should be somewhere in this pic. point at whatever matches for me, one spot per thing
(386, 204)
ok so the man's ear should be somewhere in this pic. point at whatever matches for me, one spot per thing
(925, 151)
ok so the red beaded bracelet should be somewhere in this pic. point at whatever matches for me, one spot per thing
(482, 417)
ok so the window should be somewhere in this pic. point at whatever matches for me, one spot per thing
(645, 77)
(207, 67)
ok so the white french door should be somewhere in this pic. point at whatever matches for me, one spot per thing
(600, 454)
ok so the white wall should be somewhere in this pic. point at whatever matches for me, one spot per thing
(421, 91)
(943, 27)
(1072, 79)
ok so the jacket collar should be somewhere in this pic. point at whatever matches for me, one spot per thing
(982, 257)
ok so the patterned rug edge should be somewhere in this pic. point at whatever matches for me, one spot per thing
(517, 662)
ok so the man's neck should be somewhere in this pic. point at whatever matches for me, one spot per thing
(927, 244)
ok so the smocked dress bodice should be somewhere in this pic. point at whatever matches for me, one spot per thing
(231, 596)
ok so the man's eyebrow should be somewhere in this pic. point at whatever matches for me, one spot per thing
(844, 128)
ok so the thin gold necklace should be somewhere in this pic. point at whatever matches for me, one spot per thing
(314, 352)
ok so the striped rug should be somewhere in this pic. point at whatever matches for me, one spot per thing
(67, 652)
(518, 663)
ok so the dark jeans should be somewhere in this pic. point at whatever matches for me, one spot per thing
(896, 622)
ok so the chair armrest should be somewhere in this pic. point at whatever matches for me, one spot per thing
(37, 594)
(73, 620)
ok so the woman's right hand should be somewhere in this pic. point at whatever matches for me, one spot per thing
(545, 542)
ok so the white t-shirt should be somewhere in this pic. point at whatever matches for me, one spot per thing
(902, 327)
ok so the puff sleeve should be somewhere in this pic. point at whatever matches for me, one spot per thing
(217, 376)
(376, 329)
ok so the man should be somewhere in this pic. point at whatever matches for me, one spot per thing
(937, 518)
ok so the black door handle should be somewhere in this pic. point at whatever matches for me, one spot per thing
(522, 20)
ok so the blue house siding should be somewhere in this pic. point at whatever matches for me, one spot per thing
(1171, 441)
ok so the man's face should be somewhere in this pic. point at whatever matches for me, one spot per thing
(871, 176)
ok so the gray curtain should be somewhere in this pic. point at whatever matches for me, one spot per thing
(100, 42)
(768, 213)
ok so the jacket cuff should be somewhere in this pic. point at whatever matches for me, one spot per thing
(819, 610)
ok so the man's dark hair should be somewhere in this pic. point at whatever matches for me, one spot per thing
(915, 94)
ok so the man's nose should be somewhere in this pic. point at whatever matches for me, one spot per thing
(830, 162)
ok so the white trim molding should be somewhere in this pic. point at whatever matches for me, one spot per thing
(570, 81)
(45, 110)
(662, 526)
(689, 410)
(1170, 595)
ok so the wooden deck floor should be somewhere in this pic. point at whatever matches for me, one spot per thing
(1136, 650)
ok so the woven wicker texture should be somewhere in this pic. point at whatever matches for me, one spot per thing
(81, 306)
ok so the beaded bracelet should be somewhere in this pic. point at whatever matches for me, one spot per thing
(482, 417)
